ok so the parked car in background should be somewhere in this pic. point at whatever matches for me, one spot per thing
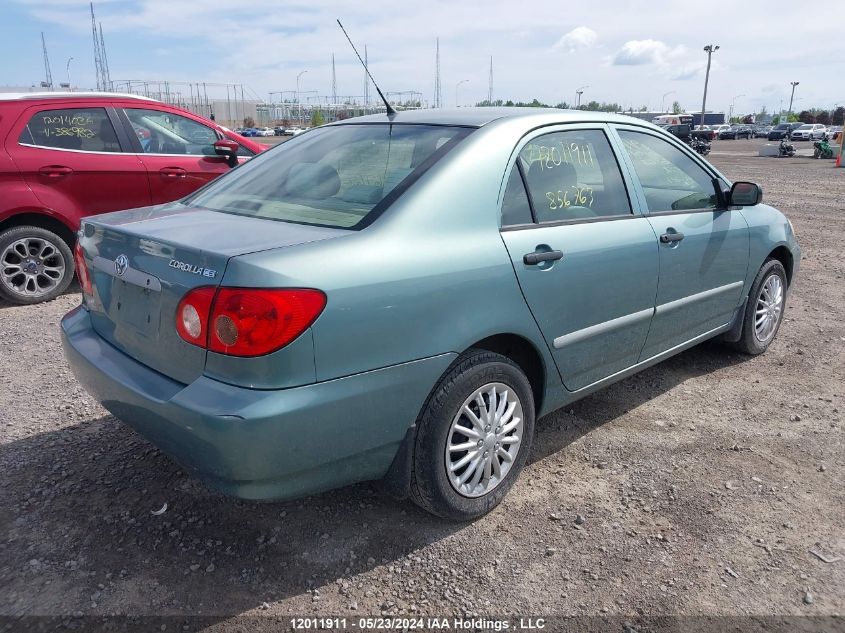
(249, 132)
(809, 132)
(718, 129)
(250, 332)
(704, 132)
(291, 131)
(762, 131)
(65, 156)
(264, 131)
(278, 131)
(782, 130)
(835, 133)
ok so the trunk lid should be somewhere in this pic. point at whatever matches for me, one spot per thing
(143, 261)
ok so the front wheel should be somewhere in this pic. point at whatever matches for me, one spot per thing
(473, 437)
(35, 265)
(764, 309)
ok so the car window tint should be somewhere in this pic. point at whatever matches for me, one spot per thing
(573, 175)
(331, 176)
(167, 133)
(87, 129)
(515, 207)
(671, 180)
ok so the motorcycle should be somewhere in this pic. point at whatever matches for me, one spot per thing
(822, 149)
(786, 148)
(700, 145)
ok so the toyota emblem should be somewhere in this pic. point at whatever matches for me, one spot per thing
(121, 264)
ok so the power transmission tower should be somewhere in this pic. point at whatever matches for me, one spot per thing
(104, 62)
(438, 91)
(48, 75)
(490, 85)
(98, 58)
(334, 82)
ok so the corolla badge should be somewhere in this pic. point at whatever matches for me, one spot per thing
(191, 268)
(121, 263)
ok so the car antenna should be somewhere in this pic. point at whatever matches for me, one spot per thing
(390, 110)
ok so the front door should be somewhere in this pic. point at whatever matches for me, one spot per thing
(177, 151)
(586, 263)
(703, 248)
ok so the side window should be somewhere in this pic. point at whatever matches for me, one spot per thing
(515, 207)
(671, 180)
(87, 129)
(573, 175)
(167, 133)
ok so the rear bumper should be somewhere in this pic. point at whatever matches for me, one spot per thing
(258, 444)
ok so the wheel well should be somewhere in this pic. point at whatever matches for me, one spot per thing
(42, 221)
(784, 256)
(524, 354)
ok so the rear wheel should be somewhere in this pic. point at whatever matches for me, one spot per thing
(473, 437)
(764, 309)
(35, 265)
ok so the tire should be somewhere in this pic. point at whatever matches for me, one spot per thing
(750, 341)
(51, 267)
(432, 487)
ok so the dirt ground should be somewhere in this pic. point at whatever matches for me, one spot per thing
(703, 484)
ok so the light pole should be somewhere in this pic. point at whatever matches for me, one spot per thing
(709, 49)
(663, 100)
(298, 102)
(67, 70)
(462, 81)
(731, 113)
(791, 97)
(578, 94)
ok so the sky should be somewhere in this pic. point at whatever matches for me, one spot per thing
(632, 53)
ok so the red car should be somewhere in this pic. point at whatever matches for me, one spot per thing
(64, 156)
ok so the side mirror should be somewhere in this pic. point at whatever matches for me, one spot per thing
(745, 194)
(228, 149)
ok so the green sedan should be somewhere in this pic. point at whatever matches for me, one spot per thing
(400, 298)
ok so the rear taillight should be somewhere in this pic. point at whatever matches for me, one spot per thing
(247, 321)
(192, 315)
(82, 270)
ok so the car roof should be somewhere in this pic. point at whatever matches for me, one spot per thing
(19, 96)
(478, 117)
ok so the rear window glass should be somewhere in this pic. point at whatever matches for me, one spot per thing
(335, 176)
(87, 129)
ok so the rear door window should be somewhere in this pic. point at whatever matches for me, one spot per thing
(573, 175)
(85, 129)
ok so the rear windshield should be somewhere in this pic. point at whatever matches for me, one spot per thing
(335, 176)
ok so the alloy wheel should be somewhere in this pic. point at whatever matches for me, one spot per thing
(32, 267)
(484, 439)
(769, 308)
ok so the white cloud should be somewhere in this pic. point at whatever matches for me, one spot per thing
(641, 52)
(578, 38)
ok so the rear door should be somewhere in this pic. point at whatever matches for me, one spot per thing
(703, 248)
(177, 151)
(586, 261)
(75, 158)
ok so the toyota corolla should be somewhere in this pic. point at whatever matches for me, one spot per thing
(399, 298)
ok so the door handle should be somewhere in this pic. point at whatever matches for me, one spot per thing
(55, 171)
(537, 257)
(668, 238)
(172, 172)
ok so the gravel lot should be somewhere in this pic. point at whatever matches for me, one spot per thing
(699, 487)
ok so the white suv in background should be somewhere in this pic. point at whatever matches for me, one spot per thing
(809, 132)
